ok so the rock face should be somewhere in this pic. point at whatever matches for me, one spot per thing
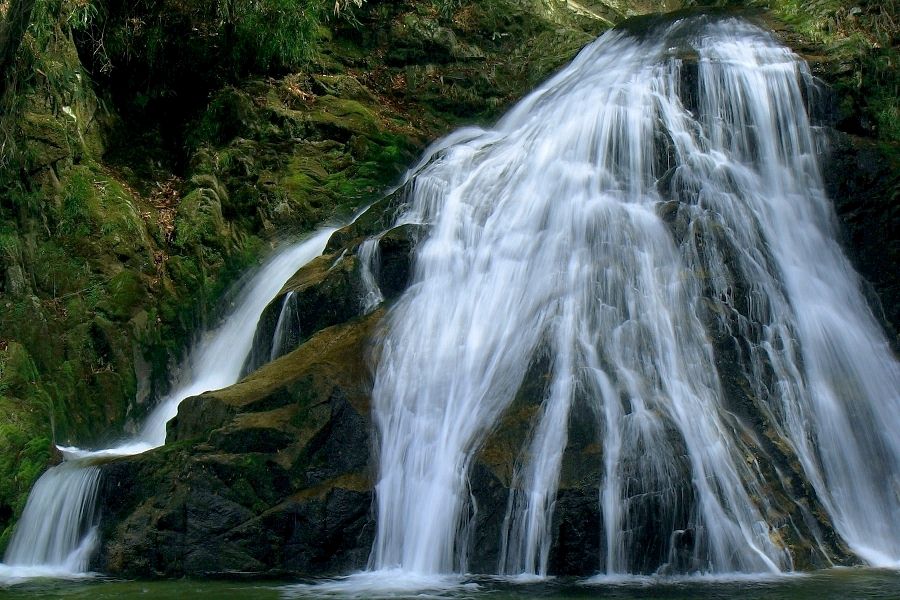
(273, 474)
(270, 475)
(330, 290)
(863, 179)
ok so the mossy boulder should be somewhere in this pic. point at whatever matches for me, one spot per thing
(330, 289)
(292, 159)
(271, 475)
(47, 139)
(199, 220)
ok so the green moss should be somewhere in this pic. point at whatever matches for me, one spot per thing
(78, 205)
(200, 220)
(229, 114)
(64, 276)
(94, 279)
(341, 117)
(858, 41)
(48, 116)
(274, 33)
(26, 454)
(47, 139)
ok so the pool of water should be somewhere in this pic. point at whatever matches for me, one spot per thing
(837, 583)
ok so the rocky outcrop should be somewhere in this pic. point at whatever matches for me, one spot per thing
(285, 461)
(330, 290)
(268, 476)
(274, 474)
(863, 178)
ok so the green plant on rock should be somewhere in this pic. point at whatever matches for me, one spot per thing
(272, 33)
(25, 456)
(860, 38)
(75, 214)
(82, 14)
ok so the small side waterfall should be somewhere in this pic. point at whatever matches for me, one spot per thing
(287, 328)
(217, 359)
(659, 193)
(56, 534)
(58, 528)
(369, 259)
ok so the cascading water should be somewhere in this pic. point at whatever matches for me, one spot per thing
(368, 271)
(58, 525)
(618, 220)
(286, 333)
(56, 534)
(217, 360)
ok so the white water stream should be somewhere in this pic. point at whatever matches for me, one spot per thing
(56, 536)
(369, 264)
(547, 233)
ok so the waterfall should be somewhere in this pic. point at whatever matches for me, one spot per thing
(57, 529)
(57, 532)
(217, 359)
(660, 190)
(369, 260)
(287, 328)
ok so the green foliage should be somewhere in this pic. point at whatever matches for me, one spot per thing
(163, 41)
(25, 456)
(342, 7)
(75, 214)
(447, 7)
(67, 238)
(82, 14)
(200, 220)
(229, 114)
(95, 283)
(273, 34)
(878, 87)
(861, 40)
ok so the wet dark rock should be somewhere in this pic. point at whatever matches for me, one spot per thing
(325, 292)
(396, 247)
(377, 219)
(490, 500)
(328, 290)
(576, 530)
(341, 446)
(271, 475)
(862, 177)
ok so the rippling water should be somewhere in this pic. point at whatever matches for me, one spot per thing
(839, 583)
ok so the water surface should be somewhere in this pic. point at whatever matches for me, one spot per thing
(837, 583)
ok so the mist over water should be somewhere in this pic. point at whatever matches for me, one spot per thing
(657, 201)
